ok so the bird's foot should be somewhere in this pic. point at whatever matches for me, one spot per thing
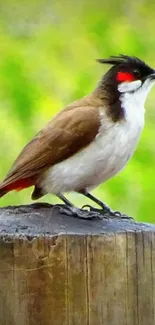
(92, 213)
(106, 212)
(75, 212)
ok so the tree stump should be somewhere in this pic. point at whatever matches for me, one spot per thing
(59, 270)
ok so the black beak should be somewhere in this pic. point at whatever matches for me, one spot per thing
(151, 76)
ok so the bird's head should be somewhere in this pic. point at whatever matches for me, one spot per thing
(128, 76)
(128, 73)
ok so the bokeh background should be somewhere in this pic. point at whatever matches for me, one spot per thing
(47, 59)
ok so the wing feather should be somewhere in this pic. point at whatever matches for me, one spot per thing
(70, 131)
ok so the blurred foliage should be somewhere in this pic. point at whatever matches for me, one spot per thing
(47, 59)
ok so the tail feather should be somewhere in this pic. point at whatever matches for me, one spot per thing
(2, 192)
(3, 189)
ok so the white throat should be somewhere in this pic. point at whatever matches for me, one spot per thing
(133, 100)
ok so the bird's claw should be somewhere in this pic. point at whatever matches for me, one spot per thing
(92, 213)
(106, 212)
(78, 213)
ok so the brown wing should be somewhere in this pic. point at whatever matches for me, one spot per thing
(70, 131)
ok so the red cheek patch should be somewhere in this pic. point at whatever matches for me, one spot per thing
(125, 76)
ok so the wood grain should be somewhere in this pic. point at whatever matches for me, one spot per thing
(58, 270)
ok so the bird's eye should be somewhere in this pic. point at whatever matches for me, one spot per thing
(136, 73)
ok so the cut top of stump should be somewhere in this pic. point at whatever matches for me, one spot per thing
(44, 219)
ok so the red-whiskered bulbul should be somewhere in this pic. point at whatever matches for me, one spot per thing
(90, 140)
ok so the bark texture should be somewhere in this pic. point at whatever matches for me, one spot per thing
(59, 270)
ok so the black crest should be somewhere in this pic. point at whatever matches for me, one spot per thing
(121, 59)
(128, 61)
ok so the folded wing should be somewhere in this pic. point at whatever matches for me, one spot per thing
(70, 131)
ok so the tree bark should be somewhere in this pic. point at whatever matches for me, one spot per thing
(59, 270)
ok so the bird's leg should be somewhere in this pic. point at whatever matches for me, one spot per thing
(104, 207)
(94, 199)
(70, 210)
(66, 201)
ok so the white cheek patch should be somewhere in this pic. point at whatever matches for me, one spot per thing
(125, 87)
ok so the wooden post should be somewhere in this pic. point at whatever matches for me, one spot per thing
(59, 270)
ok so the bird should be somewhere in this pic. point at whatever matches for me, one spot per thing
(90, 140)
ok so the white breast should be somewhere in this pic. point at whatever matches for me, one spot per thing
(103, 158)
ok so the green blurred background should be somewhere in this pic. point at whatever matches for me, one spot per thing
(47, 59)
